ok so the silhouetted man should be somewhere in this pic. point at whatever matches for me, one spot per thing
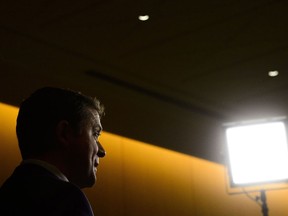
(57, 133)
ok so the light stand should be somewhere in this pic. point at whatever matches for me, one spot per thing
(264, 202)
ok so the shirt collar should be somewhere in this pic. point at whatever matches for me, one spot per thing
(54, 170)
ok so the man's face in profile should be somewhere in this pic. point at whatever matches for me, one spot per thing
(84, 151)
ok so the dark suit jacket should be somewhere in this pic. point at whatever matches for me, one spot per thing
(33, 190)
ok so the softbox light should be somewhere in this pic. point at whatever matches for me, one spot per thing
(257, 152)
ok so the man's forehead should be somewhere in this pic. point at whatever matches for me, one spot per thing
(95, 118)
(94, 113)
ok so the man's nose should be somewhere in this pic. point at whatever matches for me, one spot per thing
(101, 151)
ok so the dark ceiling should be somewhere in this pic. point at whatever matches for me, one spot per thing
(171, 81)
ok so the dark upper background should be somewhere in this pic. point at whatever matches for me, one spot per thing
(171, 81)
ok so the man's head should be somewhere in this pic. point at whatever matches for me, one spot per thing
(55, 121)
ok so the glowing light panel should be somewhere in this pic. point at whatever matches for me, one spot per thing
(258, 153)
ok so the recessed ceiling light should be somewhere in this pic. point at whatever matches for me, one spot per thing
(273, 73)
(143, 17)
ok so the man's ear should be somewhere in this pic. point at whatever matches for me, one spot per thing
(64, 133)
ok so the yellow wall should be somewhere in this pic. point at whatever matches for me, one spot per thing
(140, 179)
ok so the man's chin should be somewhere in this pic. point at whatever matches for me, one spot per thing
(89, 182)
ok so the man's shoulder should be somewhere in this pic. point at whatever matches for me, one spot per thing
(32, 187)
(33, 177)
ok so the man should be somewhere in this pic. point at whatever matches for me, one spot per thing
(57, 133)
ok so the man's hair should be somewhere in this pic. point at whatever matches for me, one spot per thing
(40, 113)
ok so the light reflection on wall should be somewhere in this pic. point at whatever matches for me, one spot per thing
(9, 152)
